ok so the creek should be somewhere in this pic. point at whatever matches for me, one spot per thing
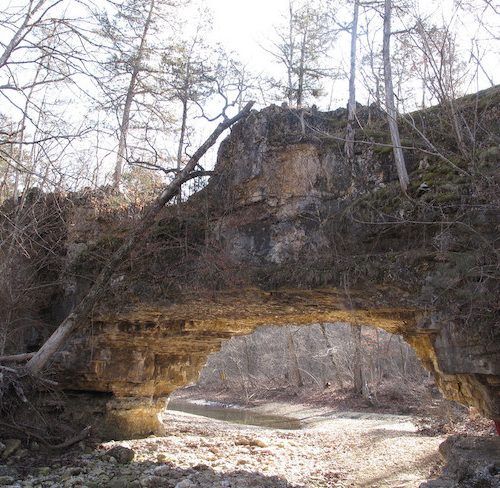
(233, 414)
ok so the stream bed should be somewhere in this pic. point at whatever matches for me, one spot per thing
(233, 414)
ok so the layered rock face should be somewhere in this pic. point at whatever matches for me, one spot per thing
(302, 236)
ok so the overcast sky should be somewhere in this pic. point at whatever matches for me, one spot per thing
(243, 26)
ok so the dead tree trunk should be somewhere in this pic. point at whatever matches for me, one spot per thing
(389, 101)
(60, 335)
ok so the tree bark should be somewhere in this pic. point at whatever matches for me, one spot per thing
(16, 358)
(389, 100)
(295, 375)
(180, 147)
(69, 325)
(351, 107)
(301, 73)
(357, 360)
(331, 356)
(291, 53)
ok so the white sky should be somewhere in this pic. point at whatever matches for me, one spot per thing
(240, 24)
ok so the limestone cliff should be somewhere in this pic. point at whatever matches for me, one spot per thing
(289, 231)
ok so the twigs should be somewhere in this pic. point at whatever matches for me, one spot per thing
(29, 432)
(73, 440)
(11, 380)
(16, 358)
(17, 402)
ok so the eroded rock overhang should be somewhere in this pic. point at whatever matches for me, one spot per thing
(149, 352)
(290, 232)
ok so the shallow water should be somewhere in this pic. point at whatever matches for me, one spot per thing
(234, 414)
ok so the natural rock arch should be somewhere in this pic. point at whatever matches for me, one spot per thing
(289, 231)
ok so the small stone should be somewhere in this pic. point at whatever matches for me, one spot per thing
(259, 443)
(44, 471)
(76, 481)
(151, 481)
(161, 458)
(112, 460)
(21, 453)
(122, 454)
(245, 441)
(121, 482)
(162, 471)
(6, 480)
(185, 484)
(2, 447)
(11, 445)
(242, 441)
(103, 478)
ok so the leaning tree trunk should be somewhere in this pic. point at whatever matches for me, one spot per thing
(389, 101)
(60, 335)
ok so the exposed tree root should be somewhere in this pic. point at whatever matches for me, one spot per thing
(21, 416)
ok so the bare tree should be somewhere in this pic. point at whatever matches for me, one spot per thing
(443, 71)
(293, 362)
(322, 356)
(331, 356)
(31, 16)
(47, 50)
(371, 66)
(187, 80)
(357, 364)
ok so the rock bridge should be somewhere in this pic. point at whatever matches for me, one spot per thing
(290, 232)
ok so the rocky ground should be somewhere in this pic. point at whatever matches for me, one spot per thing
(363, 450)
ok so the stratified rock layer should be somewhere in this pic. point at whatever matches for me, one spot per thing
(292, 233)
(471, 462)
